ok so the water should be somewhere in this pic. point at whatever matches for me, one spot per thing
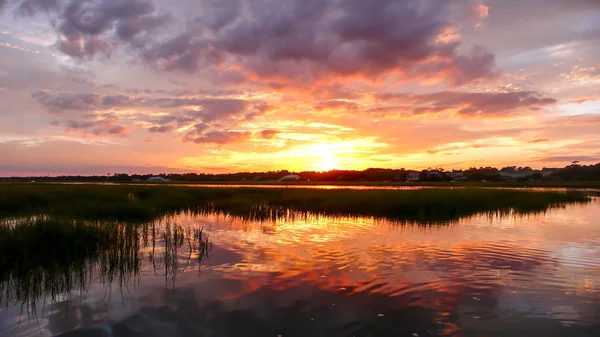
(366, 186)
(536, 275)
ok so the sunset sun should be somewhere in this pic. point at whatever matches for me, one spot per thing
(326, 162)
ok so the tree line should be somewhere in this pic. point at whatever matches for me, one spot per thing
(572, 172)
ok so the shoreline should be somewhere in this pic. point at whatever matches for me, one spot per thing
(300, 184)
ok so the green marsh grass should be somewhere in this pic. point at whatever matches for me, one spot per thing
(145, 203)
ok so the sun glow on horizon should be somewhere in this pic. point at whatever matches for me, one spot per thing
(328, 162)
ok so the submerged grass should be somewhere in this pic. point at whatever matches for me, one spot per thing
(145, 203)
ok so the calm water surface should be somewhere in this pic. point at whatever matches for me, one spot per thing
(513, 276)
(592, 190)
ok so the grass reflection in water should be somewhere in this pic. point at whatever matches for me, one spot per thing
(44, 258)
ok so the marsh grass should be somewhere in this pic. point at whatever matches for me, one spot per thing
(45, 257)
(140, 204)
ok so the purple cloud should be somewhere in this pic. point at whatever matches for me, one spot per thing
(299, 39)
(97, 127)
(31, 7)
(468, 103)
(221, 137)
(87, 28)
(60, 102)
(205, 119)
(161, 128)
(285, 41)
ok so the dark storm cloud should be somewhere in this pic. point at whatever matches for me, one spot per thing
(292, 40)
(182, 52)
(80, 18)
(280, 41)
(222, 13)
(30, 7)
(469, 103)
(127, 30)
(87, 28)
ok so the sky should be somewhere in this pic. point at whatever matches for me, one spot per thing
(141, 86)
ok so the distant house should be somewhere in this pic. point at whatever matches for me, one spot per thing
(135, 180)
(546, 172)
(156, 179)
(289, 178)
(412, 176)
(457, 176)
(515, 175)
(435, 175)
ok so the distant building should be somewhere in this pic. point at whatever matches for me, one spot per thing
(135, 180)
(457, 176)
(156, 179)
(512, 173)
(515, 175)
(435, 175)
(546, 172)
(289, 178)
(412, 176)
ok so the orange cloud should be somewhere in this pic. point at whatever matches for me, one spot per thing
(481, 12)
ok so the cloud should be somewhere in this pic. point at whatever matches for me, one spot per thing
(337, 105)
(97, 127)
(481, 12)
(31, 7)
(568, 159)
(469, 104)
(295, 40)
(209, 108)
(268, 134)
(161, 128)
(116, 100)
(60, 102)
(118, 130)
(539, 140)
(203, 119)
(87, 28)
(221, 137)
(215, 109)
(281, 41)
(88, 48)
